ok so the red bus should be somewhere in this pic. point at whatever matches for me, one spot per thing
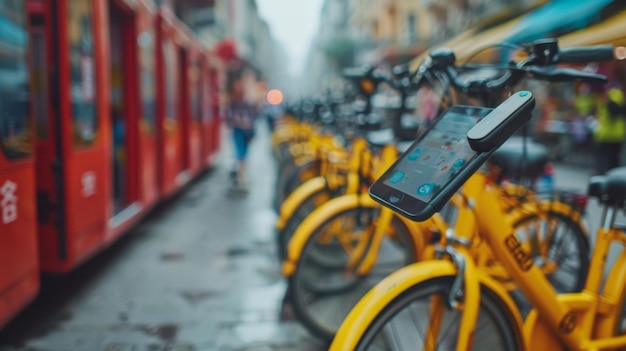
(19, 272)
(108, 107)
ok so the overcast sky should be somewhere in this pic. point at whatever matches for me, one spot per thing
(293, 23)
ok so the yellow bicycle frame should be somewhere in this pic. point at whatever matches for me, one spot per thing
(483, 213)
(345, 202)
(392, 286)
(558, 319)
(330, 180)
(419, 233)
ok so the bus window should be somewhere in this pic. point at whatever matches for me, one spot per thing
(15, 132)
(83, 88)
(194, 78)
(171, 83)
(39, 74)
(148, 94)
(207, 110)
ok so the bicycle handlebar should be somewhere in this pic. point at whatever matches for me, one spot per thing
(586, 54)
(544, 54)
(398, 78)
(540, 64)
(547, 52)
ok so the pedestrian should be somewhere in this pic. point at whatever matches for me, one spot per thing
(610, 129)
(240, 116)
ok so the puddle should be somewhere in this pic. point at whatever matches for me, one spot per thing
(194, 297)
(165, 332)
(237, 251)
(172, 256)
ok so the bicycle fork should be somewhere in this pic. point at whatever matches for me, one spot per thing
(370, 245)
(464, 296)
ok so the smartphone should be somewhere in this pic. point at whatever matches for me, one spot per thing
(435, 166)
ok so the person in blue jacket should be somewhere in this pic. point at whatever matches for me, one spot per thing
(240, 116)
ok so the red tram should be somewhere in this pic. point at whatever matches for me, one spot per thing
(106, 108)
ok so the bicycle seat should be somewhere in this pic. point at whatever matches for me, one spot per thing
(596, 186)
(610, 188)
(510, 158)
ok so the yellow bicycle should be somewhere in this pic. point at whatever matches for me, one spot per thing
(351, 219)
(348, 171)
(454, 303)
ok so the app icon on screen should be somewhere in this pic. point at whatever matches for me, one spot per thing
(425, 189)
(415, 154)
(459, 163)
(396, 177)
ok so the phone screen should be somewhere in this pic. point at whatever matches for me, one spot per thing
(431, 162)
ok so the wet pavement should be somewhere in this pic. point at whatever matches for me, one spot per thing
(200, 273)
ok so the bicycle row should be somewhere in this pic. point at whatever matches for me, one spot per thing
(392, 235)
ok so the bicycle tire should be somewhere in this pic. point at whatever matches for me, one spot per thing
(302, 173)
(568, 248)
(494, 327)
(304, 209)
(285, 168)
(289, 178)
(320, 304)
(282, 151)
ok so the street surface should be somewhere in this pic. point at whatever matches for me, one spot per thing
(200, 273)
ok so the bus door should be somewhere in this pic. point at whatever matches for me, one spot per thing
(183, 107)
(194, 140)
(169, 128)
(217, 77)
(206, 113)
(195, 113)
(123, 116)
(148, 190)
(18, 246)
(73, 174)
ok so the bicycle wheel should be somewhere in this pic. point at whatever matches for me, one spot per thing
(285, 169)
(404, 323)
(323, 288)
(302, 173)
(304, 209)
(282, 151)
(559, 246)
(291, 176)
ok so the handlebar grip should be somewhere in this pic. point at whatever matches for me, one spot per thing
(586, 54)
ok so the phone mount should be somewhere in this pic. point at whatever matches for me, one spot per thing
(419, 189)
(501, 123)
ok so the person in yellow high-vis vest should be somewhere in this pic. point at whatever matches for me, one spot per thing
(610, 131)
